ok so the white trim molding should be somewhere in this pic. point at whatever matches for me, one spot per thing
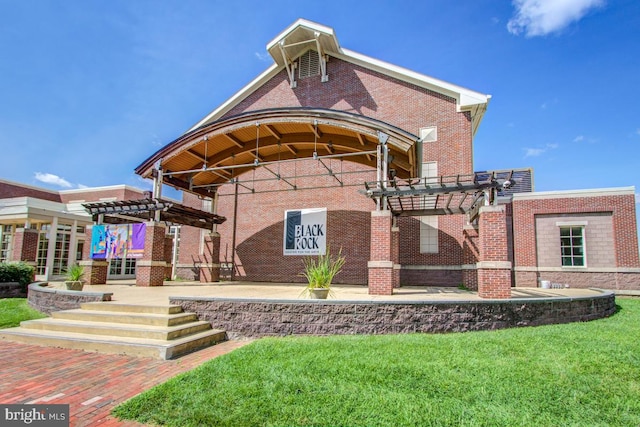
(566, 194)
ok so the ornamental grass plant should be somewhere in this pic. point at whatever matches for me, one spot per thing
(320, 271)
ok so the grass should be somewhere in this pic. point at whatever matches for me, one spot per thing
(15, 310)
(571, 375)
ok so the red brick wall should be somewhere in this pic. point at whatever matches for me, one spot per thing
(92, 195)
(10, 189)
(622, 207)
(260, 222)
(361, 91)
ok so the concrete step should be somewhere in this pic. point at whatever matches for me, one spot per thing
(117, 329)
(132, 318)
(131, 308)
(163, 332)
(132, 346)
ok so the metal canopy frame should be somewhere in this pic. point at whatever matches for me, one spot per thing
(444, 195)
(127, 211)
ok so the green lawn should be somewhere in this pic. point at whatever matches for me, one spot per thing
(15, 310)
(582, 374)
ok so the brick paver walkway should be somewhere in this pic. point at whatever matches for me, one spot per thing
(91, 383)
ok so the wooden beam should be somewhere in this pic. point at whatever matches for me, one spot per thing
(315, 130)
(273, 132)
(180, 184)
(233, 139)
(196, 155)
(292, 149)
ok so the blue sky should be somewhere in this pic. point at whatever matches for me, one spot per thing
(89, 89)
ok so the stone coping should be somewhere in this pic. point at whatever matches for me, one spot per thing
(603, 293)
(44, 287)
(48, 299)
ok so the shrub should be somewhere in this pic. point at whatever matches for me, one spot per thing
(16, 272)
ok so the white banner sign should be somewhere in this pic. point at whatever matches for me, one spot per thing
(305, 232)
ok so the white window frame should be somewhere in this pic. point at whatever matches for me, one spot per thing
(571, 226)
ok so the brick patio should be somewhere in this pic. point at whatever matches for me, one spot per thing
(91, 383)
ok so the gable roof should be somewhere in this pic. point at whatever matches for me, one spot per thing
(296, 39)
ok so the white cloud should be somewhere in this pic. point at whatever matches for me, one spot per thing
(533, 152)
(578, 138)
(542, 17)
(49, 178)
(264, 57)
(82, 186)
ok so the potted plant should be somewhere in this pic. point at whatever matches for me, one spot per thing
(74, 280)
(320, 272)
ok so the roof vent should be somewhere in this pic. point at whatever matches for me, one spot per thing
(309, 64)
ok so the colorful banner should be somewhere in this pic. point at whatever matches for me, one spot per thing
(305, 232)
(117, 241)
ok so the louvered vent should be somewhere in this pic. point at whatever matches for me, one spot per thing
(309, 64)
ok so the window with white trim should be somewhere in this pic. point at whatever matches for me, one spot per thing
(429, 234)
(572, 246)
(6, 240)
(429, 223)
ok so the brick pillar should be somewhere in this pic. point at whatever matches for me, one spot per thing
(395, 255)
(210, 267)
(150, 269)
(25, 246)
(381, 262)
(95, 270)
(494, 267)
(470, 257)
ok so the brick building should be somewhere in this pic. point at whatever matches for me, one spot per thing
(48, 229)
(387, 154)
(305, 133)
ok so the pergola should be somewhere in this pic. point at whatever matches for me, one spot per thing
(127, 211)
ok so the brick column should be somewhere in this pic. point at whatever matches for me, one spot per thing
(25, 246)
(470, 257)
(494, 267)
(381, 262)
(95, 270)
(210, 267)
(150, 269)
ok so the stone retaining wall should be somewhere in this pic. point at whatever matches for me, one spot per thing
(46, 299)
(256, 317)
(11, 290)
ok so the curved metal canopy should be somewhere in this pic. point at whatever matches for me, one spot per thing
(216, 153)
